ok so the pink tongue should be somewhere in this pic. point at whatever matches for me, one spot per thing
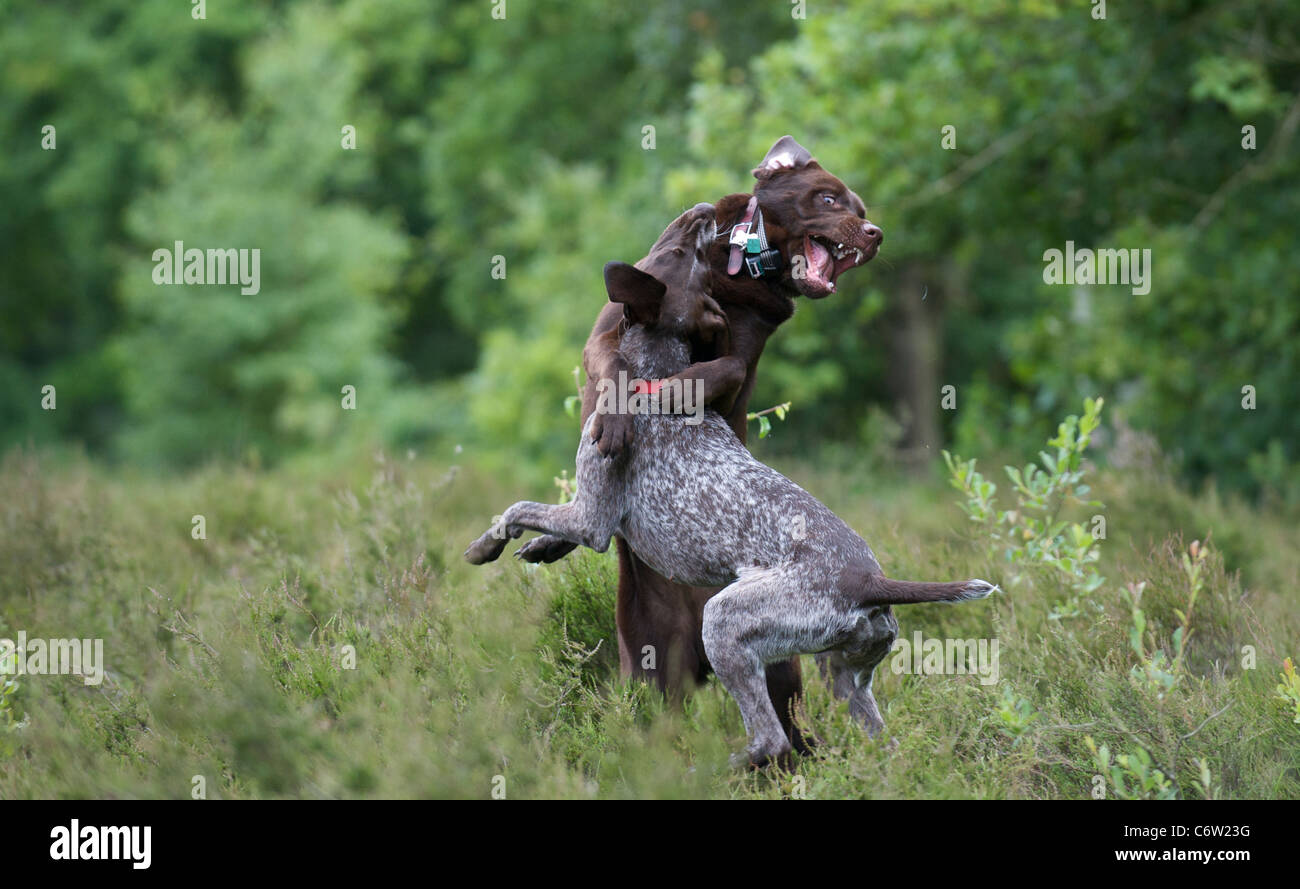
(817, 256)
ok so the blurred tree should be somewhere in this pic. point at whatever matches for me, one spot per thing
(102, 77)
(523, 138)
(1120, 132)
(210, 369)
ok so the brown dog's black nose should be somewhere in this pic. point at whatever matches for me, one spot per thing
(873, 233)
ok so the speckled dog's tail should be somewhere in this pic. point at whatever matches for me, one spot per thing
(881, 590)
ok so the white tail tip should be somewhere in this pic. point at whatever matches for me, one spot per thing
(978, 589)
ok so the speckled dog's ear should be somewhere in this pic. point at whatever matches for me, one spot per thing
(641, 293)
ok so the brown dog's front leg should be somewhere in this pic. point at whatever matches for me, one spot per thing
(658, 626)
(785, 688)
(605, 365)
(717, 382)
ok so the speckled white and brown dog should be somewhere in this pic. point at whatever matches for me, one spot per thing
(697, 507)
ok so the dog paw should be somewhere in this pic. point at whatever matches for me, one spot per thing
(763, 755)
(753, 762)
(544, 550)
(711, 324)
(486, 549)
(612, 433)
(804, 743)
(978, 589)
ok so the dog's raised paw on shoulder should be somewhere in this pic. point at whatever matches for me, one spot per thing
(612, 434)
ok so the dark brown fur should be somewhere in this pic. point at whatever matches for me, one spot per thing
(652, 610)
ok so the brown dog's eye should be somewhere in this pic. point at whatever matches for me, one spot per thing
(827, 199)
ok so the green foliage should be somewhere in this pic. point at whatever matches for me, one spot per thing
(764, 421)
(554, 298)
(1289, 688)
(10, 723)
(580, 617)
(235, 668)
(1133, 775)
(106, 79)
(522, 139)
(1015, 715)
(1065, 131)
(1154, 667)
(1159, 666)
(1239, 83)
(261, 372)
(1033, 536)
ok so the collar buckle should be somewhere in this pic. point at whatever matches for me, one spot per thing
(749, 245)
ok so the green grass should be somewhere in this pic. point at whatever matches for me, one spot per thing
(225, 656)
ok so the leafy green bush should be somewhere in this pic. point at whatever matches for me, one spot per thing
(1132, 776)
(237, 672)
(1033, 536)
(1160, 666)
(9, 722)
(1015, 715)
(580, 612)
(1289, 688)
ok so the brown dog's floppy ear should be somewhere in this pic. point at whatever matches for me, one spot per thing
(641, 293)
(786, 154)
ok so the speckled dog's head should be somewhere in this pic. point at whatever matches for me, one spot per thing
(668, 313)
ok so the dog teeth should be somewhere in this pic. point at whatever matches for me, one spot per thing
(841, 251)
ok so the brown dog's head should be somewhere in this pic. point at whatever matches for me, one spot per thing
(817, 223)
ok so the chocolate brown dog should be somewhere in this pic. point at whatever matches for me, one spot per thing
(796, 234)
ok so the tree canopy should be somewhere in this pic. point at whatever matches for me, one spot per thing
(981, 134)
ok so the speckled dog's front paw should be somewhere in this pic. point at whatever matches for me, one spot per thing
(487, 548)
(544, 549)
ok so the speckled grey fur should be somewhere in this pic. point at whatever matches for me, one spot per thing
(697, 507)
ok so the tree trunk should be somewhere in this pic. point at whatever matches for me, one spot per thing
(916, 364)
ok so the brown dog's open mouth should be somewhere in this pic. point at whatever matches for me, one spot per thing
(826, 261)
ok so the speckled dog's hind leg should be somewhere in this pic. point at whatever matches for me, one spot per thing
(766, 616)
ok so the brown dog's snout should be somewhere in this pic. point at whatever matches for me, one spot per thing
(873, 233)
